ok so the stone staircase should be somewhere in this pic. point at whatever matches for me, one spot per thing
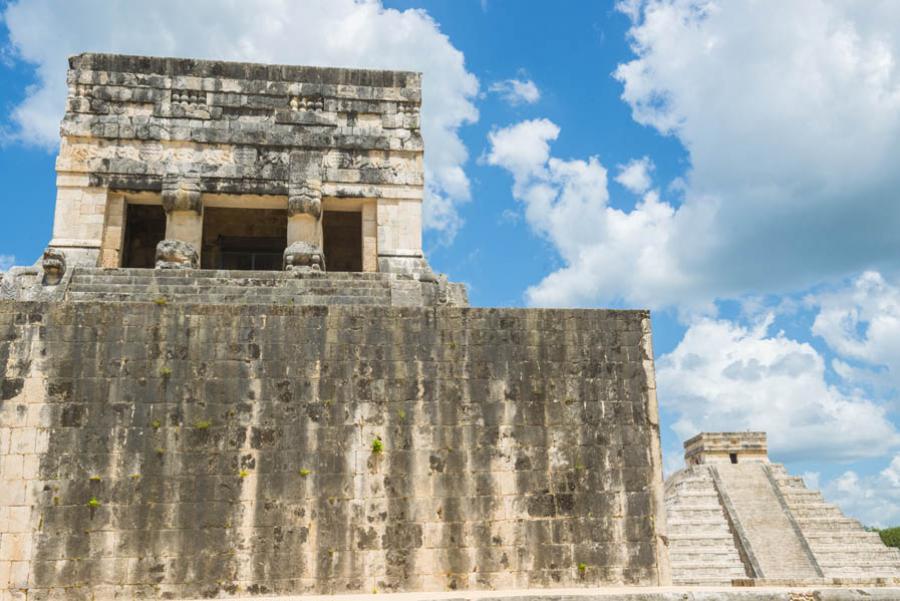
(767, 529)
(842, 548)
(701, 546)
(257, 287)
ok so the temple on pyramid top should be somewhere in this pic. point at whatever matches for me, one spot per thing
(173, 164)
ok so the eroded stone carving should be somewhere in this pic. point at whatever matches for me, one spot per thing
(305, 199)
(307, 103)
(180, 193)
(303, 257)
(54, 264)
(175, 254)
(20, 283)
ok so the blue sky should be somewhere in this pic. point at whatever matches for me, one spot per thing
(729, 165)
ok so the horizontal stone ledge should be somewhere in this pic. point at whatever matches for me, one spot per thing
(114, 86)
(623, 594)
(194, 68)
(260, 134)
(245, 185)
(74, 243)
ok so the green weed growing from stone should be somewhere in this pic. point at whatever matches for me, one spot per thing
(94, 503)
(95, 478)
(202, 425)
(243, 473)
(304, 472)
(156, 424)
(165, 372)
(377, 446)
(401, 413)
(582, 568)
(161, 301)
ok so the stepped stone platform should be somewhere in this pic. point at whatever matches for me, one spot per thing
(736, 518)
(259, 287)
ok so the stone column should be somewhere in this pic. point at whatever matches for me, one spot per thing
(184, 224)
(79, 219)
(304, 232)
(113, 231)
(370, 236)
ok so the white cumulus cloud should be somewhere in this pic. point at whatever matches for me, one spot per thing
(608, 253)
(872, 499)
(861, 322)
(7, 261)
(790, 115)
(517, 91)
(342, 33)
(790, 112)
(635, 175)
(723, 376)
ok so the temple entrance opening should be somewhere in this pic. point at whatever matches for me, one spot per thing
(343, 240)
(145, 227)
(243, 239)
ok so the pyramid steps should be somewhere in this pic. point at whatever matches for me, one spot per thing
(841, 546)
(701, 546)
(789, 533)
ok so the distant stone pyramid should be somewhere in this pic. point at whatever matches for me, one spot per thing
(733, 515)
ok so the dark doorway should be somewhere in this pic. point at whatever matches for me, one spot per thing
(733, 457)
(258, 254)
(244, 239)
(342, 232)
(145, 227)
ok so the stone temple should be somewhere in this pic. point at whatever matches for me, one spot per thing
(233, 373)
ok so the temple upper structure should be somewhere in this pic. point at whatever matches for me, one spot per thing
(239, 166)
(179, 164)
(726, 447)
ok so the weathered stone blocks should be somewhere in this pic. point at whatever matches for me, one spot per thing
(165, 451)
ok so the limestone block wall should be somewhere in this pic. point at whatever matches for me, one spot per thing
(165, 451)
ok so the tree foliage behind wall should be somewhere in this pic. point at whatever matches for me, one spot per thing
(891, 536)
